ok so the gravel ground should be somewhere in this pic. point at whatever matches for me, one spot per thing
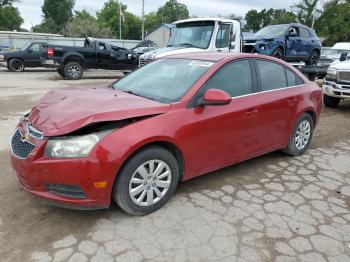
(273, 208)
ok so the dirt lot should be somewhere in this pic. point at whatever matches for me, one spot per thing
(274, 208)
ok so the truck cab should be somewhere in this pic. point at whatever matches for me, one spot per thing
(198, 35)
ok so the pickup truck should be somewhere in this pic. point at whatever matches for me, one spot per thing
(336, 86)
(198, 35)
(27, 56)
(71, 61)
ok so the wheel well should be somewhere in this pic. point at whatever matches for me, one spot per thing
(168, 146)
(318, 51)
(313, 116)
(74, 59)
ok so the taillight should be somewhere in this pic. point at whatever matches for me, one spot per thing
(50, 52)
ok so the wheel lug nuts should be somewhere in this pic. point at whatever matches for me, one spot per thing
(148, 188)
(154, 178)
(154, 184)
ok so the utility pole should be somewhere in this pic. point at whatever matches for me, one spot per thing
(120, 20)
(143, 20)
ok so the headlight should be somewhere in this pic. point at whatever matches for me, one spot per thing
(79, 146)
(2, 57)
(331, 73)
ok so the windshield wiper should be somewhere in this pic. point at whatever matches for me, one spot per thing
(187, 44)
(137, 94)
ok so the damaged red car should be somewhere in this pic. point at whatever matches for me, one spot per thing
(172, 120)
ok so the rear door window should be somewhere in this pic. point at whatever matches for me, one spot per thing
(272, 75)
(234, 78)
(304, 33)
(293, 79)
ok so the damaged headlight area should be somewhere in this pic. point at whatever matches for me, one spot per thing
(332, 73)
(72, 147)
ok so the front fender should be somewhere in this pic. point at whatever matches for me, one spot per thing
(267, 47)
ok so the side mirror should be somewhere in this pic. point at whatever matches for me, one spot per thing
(292, 34)
(214, 97)
(343, 56)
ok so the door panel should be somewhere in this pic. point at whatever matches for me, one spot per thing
(220, 135)
(32, 55)
(103, 56)
(277, 104)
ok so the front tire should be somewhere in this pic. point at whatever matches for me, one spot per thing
(301, 136)
(73, 71)
(147, 181)
(330, 101)
(278, 53)
(16, 65)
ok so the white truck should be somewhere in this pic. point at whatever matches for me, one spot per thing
(198, 35)
(337, 83)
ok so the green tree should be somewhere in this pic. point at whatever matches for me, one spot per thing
(85, 25)
(282, 16)
(108, 17)
(172, 11)
(152, 20)
(57, 13)
(10, 17)
(305, 11)
(334, 22)
(7, 2)
(256, 20)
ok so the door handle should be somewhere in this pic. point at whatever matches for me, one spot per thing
(250, 112)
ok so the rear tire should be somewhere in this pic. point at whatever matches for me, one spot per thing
(330, 101)
(301, 136)
(147, 181)
(313, 59)
(16, 65)
(73, 71)
(60, 71)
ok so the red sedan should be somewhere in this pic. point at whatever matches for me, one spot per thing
(170, 121)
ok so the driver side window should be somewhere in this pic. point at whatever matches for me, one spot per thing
(35, 48)
(234, 78)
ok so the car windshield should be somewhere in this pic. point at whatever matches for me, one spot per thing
(24, 47)
(194, 34)
(333, 52)
(164, 80)
(272, 31)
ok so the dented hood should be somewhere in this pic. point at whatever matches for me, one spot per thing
(63, 111)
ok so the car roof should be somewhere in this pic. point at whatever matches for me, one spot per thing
(215, 56)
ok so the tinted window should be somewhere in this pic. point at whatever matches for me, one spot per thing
(293, 79)
(304, 32)
(234, 78)
(272, 75)
(223, 36)
(35, 47)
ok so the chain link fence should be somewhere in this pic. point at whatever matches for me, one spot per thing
(15, 40)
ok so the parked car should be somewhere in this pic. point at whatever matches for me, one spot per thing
(169, 121)
(71, 61)
(289, 42)
(28, 56)
(337, 84)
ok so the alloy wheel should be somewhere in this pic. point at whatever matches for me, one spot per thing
(150, 182)
(74, 71)
(17, 66)
(302, 135)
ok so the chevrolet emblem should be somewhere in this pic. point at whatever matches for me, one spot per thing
(25, 137)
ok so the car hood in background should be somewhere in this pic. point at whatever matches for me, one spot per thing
(63, 111)
(174, 50)
(342, 65)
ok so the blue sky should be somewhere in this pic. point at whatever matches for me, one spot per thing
(31, 9)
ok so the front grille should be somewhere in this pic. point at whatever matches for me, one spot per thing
(20, 147)
(344, 76)
(70, 191)
(248, 49)
(144, 62)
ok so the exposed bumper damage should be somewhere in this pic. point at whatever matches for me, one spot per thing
(264, 46)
